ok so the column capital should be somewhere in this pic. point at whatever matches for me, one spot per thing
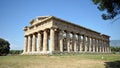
(53, 28)
(25, 35)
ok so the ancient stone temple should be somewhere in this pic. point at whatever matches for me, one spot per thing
(49, 34)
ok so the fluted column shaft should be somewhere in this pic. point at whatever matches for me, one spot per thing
(73, 41)
(45, 41)
(84, 43)
(75, 44)
(79, 41)
(81, 44)
(34, 43)
(61, 41)
(93, 45)
(68, 41)
(25, 43)
(95, 42)
(96, 45)
(29, 43)
(75, 48)
(102, 46)
(89, 44)
(105, 46)
(108, 47)
(52, 40)
(39, 42)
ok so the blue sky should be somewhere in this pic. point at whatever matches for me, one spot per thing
(15, 14)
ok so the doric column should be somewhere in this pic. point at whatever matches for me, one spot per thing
(61, 41)
(79, 41)
(96, 45)
(95, 42)
(33, 43)
(107, 47)
(84, 43)
(39, 42)
(75, 46)
(89, 44)
(68, 41)
(29, 44)
(52, 40)
(93, 45)
(45, 41)
(81, 44)
(100, 46)
(103, 46)
(75, 43)
(25, 43)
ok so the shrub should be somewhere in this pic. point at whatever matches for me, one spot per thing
(15, 52)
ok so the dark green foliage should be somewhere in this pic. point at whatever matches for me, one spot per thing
(15, 52)
(115, 49)
(4, 47)
(112, 7)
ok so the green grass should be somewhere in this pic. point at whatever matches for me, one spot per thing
(105, 57)
(58, 61)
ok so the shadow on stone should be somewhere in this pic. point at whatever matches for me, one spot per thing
(114, 64)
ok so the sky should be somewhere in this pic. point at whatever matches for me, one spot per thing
(16, 14)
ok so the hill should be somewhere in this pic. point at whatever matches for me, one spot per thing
(115, 43)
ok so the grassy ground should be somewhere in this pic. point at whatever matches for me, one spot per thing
(62, 61)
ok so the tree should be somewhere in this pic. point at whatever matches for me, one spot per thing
(115, 49)
(15, 52)
(4, 47)
(112, 8)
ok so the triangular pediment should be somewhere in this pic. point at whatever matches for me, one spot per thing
(39, 18)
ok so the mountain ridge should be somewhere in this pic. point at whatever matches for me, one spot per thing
(115, 43)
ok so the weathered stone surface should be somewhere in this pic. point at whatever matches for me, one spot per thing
(49, 34)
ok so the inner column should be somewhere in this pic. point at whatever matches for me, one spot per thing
(79, 40)
(75, 43)
(39, 42)
(61, 40)
(84, 43)
(68, 41)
